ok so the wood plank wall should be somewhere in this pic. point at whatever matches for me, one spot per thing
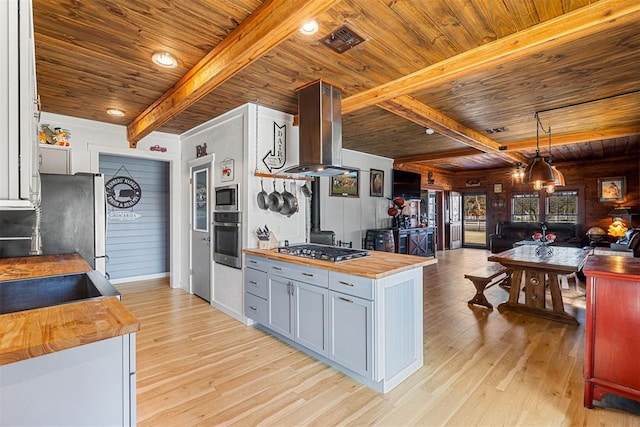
(582, 176)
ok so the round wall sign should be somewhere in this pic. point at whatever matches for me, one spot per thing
(122, 192)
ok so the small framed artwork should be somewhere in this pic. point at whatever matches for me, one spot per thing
(345, 185)
(612, 189)
(376, 183)
(226, 170)
(497, 188)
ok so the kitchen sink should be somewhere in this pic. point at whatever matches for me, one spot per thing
(27, 294)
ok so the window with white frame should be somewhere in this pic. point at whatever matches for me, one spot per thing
(562, 206)
(525, 207)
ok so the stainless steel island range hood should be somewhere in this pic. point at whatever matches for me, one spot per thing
(320, 124)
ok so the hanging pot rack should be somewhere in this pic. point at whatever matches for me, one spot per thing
(288, 177)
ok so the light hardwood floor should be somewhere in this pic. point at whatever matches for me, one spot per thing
(197, 366)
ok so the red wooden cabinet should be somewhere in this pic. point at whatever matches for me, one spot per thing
(612, 344)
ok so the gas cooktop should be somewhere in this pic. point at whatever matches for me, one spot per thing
(323, 252)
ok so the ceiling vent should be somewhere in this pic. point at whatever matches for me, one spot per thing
(342, 39)
(496, 130)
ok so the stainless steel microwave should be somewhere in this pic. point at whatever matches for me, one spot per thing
(227, 198)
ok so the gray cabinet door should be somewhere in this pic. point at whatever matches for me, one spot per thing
(280, 306)
(311, 317)
(350, 324)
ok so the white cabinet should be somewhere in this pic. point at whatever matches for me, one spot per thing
(280, 306)
(255, 287)
(311, 312)
(54, 159)
(18, 109)
(93, 384)
(350, 326)
(299, 311)
(289, 300)
(370, 329)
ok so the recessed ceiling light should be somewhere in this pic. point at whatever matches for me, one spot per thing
(309, 28)
(164, 59)
(429, 131)
(115, 112)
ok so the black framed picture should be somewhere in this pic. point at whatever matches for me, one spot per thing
(345, 185)
(376, 183)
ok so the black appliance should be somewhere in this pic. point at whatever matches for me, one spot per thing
(323, 237)
(406, 184)
(323, 252)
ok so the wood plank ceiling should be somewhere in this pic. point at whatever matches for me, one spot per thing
(476, 72)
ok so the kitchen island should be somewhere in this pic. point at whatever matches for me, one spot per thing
(362, 316)
(66, 364)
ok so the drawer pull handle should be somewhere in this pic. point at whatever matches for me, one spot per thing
(307, 274)
(253, 308)
(253, 283)
(346, 299)
(253, 262)
(276, 268)
(345, 283)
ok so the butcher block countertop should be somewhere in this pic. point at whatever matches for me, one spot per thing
(39, 266)
(32, 333)
(375, 266)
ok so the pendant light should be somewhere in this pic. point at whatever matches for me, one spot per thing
(558, 177)
(539, 172)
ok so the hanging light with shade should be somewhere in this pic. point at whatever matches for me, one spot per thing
(558, 177)
(539, 172)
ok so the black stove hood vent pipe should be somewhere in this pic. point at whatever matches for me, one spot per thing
(317, 235)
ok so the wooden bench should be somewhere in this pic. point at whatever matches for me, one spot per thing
(488, 275)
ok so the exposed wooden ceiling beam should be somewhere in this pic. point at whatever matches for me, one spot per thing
(269, 25)
(410, 109)
(574, 138)
(587, 20)
(437, 156)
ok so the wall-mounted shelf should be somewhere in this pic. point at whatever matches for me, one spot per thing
(275, 176)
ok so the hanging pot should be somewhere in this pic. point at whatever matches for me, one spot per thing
(399, 201)
(392, 211)
(275, 199)
(290, 202)
(263, 197)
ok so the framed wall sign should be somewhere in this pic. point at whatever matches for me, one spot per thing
(497, 188)
(612, 189)
(226, 170)
(376, 183)
(345, 185)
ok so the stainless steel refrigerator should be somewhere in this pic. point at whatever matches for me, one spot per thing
(73, 216)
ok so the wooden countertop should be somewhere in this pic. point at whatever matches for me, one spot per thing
(375, 266)
(613, 267)
(44, 265)
(33, 333)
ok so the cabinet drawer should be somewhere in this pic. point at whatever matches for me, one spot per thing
(255, 308)
(255, 282)
(352, 285)
(257, 263)
(313, 276)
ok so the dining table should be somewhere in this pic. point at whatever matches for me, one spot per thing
(536, 269)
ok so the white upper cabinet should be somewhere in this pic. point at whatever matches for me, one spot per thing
(19, 107)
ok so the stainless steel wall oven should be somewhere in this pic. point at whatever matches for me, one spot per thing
(227, 238)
